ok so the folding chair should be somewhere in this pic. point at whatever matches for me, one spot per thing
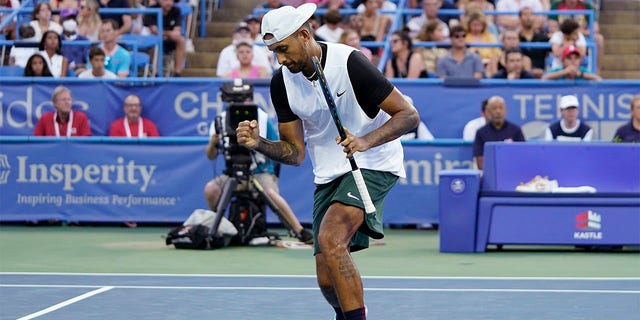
(11, 71)
(139, 60)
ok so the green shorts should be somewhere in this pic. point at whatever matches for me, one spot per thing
(344, 190)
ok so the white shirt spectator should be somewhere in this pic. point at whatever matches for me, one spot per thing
(558, 38)
(227, 60)
(328, 34)
(416, 24)
(513, 21)
(470, 129)
(54, 26)
(516, 5)
(20, 55)
(88, 74)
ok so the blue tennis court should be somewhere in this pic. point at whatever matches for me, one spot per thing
(240, 297)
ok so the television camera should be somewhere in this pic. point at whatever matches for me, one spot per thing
(238, 96)
(247, 206)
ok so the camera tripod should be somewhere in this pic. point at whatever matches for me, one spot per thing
(246, 208)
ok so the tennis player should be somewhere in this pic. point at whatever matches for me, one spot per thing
(374, 113)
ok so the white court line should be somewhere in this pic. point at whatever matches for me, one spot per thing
(313, 276)
(499, 290)
(65, 303)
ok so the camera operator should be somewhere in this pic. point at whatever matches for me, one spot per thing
(263, 171)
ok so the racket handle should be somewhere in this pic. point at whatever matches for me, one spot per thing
(364, 193)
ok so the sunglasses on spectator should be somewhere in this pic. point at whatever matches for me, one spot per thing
(459, 35)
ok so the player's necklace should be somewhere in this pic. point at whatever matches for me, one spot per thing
(310, 78)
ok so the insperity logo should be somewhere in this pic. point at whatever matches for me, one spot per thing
(5, 169)
(588, 222)
(69, 174)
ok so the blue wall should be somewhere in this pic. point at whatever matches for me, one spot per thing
(104, 179)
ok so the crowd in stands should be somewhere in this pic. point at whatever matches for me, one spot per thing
(83, 22)
(434, 43)
(487, 35)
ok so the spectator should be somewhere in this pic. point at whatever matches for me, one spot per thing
(123, 20)
(97, 70)
(582, 20)
(246, 70)
(569, 35)
(41, 20)
(478, 32)
(37, 67)
(117, 59)
(253, 23)
(511, 22)
(469, 6)
(351, 38)
(374, 24)
(528, 33)
(470, 129)
(331, 30)
(64, 121)
(89, 21)
(429, 13)
(432, 32)
(264, 174)
(569, 128)
(70, 9)
(133, 125)
(171, 32)
(510, 41)
(460, 62)
(137, 20)
(630, 132)
(355, 22)
(571, 69)
(9, 31)
(75, 54)
(227, 60)
(51, 50)
(513, 68)
(404, 61)
(23, 49)
(496, 129)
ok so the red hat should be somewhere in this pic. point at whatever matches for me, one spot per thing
(569, 50)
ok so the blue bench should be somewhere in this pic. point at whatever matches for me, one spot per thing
(476, 212)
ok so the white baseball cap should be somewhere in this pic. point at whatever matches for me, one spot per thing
(568, 102)
(284, 21)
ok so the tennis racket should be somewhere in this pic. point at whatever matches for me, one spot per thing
(357, 175)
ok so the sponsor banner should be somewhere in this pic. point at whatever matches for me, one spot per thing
(90, 180)
(414, 200)
(101, 182)
(186, 107)
(598, 224)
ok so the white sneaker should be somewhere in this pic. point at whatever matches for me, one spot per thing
(538, 184)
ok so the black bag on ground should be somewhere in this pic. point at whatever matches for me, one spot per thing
(196, 233)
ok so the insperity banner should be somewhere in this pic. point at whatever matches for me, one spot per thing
(101, 182)
(163, 180)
